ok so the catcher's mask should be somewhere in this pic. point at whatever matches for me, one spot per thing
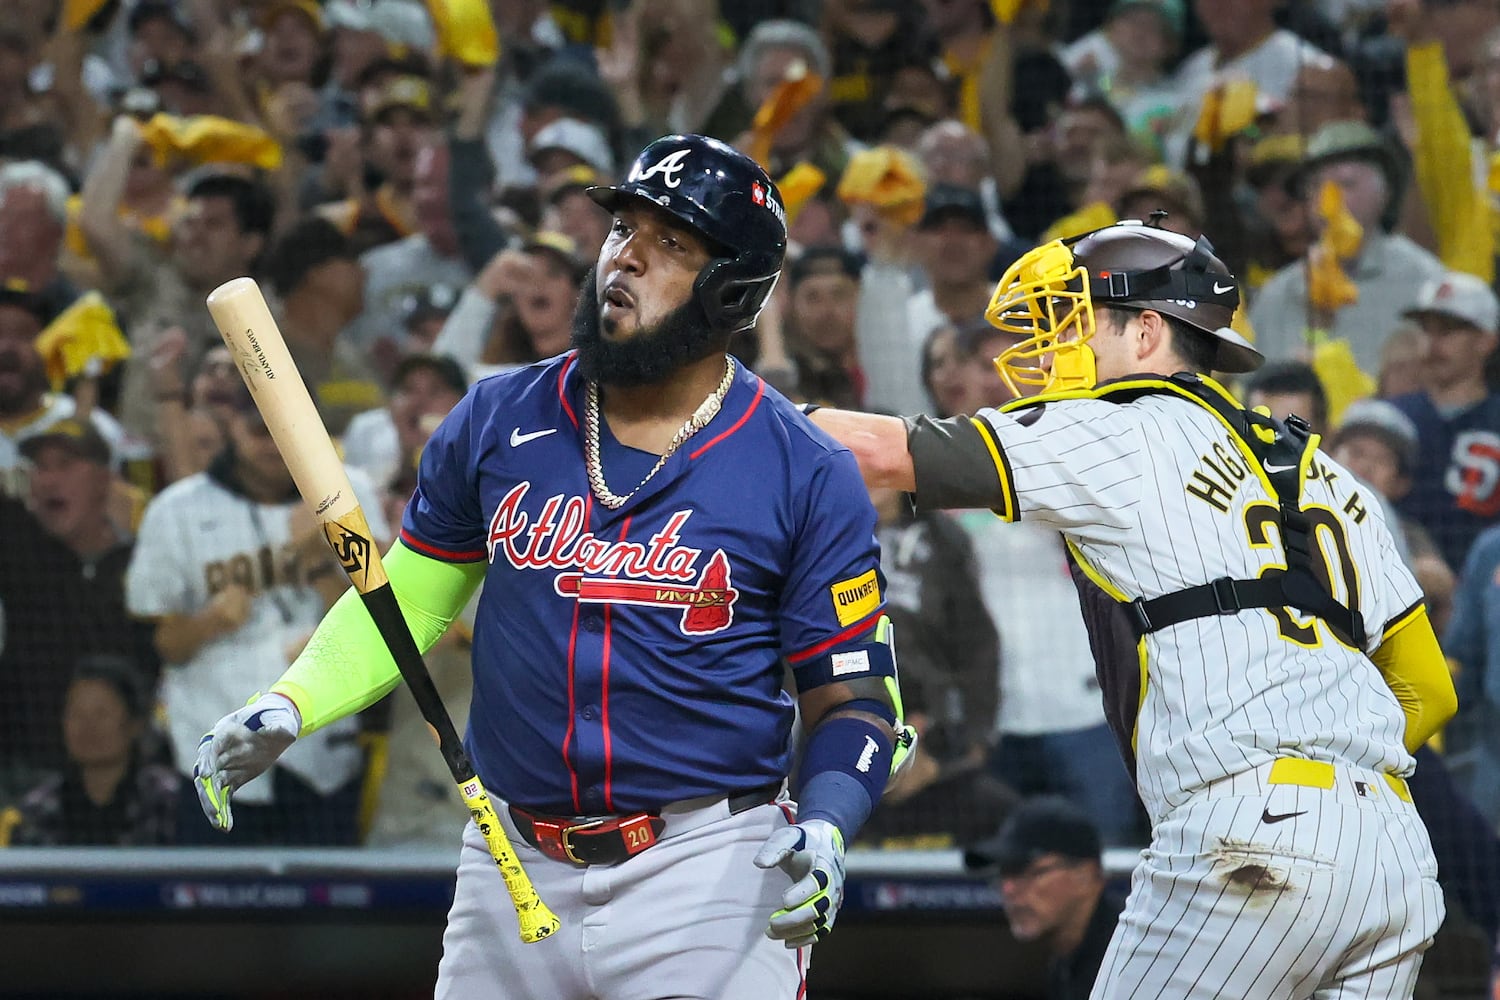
(1049, 297)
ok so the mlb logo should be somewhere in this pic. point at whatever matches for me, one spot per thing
(1363, 790)
(757, 193)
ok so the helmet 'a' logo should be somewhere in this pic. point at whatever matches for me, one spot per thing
(757, 193)
(668, 166)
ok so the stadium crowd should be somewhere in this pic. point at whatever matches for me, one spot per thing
(410, 191)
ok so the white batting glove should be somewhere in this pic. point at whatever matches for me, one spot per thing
(812, 853)
(241, 747)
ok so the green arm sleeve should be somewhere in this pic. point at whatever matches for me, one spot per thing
(345, 666)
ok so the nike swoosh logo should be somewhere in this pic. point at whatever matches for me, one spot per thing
(1221, 291)
(1269, 467)
(1267, 816)
(517, 438)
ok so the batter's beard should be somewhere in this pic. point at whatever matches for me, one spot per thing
(648, 356)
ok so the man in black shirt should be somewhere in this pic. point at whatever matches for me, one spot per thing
(1047, 862)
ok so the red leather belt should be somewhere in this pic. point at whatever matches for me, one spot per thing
(609, 840)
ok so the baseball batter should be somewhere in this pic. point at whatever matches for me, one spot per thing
(658, 532)
(1266, 661)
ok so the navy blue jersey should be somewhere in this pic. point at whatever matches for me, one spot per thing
(1455, 487)
(626, 659)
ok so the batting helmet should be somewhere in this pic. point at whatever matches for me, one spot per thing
(730, 201)
(1051, 292)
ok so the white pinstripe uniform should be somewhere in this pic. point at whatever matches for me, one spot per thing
(1287, 859)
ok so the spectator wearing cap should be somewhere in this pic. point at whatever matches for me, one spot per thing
(1047, 863)
(569, 210)
(1387, 269)
(560, 88)
(568, 143)
(428, 258)
(1455, 491)
(820, 331)
(291, 43)
(387, 441)
(1126, 60)
(1161, 189)
(898, 310)
(159, 32)
(220, 233)
(1378, 444)
(957, 251)
(62, 573)
(361, 35)
(397, 122)
(232, 573)
(107, 792)
(320, 287)
(27, 405)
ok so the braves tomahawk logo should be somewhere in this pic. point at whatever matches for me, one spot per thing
(659, 572)
(668, 166)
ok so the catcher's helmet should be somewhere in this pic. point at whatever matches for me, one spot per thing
(727, 198)
(1049, 295)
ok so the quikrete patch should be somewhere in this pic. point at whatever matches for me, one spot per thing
(857, 598)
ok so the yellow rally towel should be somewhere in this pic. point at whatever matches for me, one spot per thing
(887, 178)
(84, 339)
(1328, 287)
(76, 14)
(465, 30)
(790, 96)
(1342, 233)
(1005, 11)
(798, 185)
(210, 139)
(1343, 380)
(1227, 110)
(1095, 215)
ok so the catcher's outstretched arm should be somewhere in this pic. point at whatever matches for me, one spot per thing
(878, 443)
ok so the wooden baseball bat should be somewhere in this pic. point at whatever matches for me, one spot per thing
(244, 321)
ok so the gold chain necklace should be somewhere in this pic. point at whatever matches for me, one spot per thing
(706, 411)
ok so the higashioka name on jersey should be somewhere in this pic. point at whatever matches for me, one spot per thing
(660, 572)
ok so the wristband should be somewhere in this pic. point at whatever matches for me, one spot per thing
(845, 767)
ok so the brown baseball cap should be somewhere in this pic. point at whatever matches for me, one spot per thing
(81, 439)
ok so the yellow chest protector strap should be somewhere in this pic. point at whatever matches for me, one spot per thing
(1284, 449)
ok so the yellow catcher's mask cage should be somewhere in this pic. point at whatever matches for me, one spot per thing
(1044, 297)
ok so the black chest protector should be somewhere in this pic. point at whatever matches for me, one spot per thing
(1283, 449)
